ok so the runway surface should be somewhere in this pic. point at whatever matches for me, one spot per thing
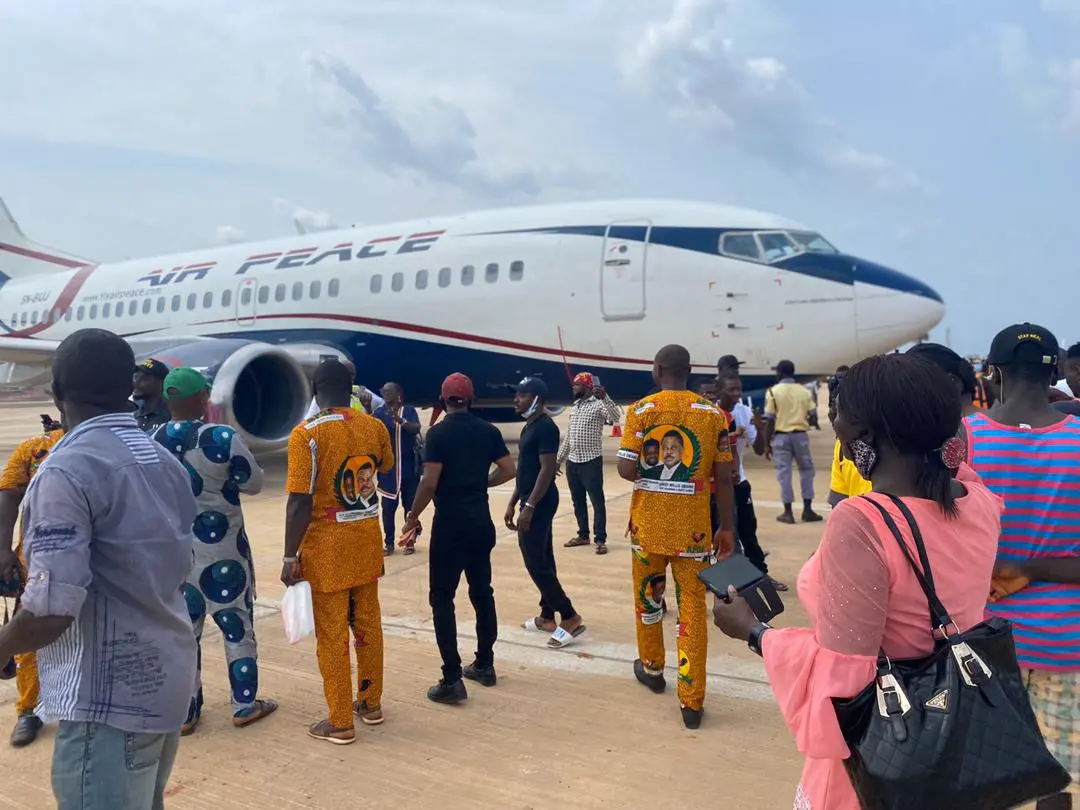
(563, 729)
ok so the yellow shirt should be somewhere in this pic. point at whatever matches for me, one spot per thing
(24, 463)
(789, 403)
(334, 457)
(675, 437)
(845, 478)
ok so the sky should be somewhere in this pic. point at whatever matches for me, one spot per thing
(940, 137)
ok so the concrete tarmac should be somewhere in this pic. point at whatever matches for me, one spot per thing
(563, 729)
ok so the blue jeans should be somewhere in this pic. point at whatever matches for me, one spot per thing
(96, 767)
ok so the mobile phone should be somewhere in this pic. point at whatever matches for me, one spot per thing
(748, 581)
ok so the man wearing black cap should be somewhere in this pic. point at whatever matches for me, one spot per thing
(537, 451)
(728, 364)
(1025, 452)
(458, 455)
(151, 410)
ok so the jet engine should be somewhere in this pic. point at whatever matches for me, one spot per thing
(260, 389)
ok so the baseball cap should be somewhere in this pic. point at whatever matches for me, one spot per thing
(457, 386)
(948, 361)
(184, 382)
(532, 385)
(1024, 343)
(729, 361)
(152, 368)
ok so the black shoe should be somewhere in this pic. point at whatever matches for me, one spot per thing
(448, 693)
(810, 516)
(485, 676)
(26, 730)
(691, 717)
(655, 682)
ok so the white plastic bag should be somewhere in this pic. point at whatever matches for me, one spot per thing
(298, 612)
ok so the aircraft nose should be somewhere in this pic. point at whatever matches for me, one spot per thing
(892, 308)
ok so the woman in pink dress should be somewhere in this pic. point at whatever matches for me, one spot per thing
(898, 416)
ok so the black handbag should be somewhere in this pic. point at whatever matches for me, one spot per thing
(953, 730)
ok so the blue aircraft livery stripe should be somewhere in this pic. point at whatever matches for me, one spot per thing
(840, 268)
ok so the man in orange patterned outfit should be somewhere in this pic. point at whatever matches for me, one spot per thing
(22, 465)
(670, 520)
(333, 540)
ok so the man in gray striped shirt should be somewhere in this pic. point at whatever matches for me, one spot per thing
(108, 543)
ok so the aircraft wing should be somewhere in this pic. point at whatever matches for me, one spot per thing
(27, 351)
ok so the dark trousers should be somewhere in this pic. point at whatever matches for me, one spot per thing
(390, 507)
(462, 547)
(584, 479)
(746, 527)
(538, 551)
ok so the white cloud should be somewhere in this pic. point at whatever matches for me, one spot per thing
(305, 218)
(228, 234)
(694, 62)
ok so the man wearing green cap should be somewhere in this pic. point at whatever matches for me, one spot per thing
(222, 581)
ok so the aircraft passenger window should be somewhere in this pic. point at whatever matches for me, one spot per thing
(279, 292)
(397, 281)
(491, 273)
(776, 245)
(226, 298)
(33, 317)
(192, 300)
(106, 310)
(45, 316)
(333, 288)
(93, 311)
(297, 290)
(207, 300)
(176, 303)
(264, 294)
(161, 304)
(133, 308)
(421, 279)
(69, 314)
(57, 315)
(444, 276)
(78, 315)
(15, 319)
(245, 296)
(517, 271)
(25, 318)
(314, 289)
(147, 305)
(376, 283)
(740, 244)
(467, 273)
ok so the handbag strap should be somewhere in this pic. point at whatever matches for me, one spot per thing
(939, 616)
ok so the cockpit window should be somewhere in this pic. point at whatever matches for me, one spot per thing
(777, 245)
(740, 244)
(812, 242)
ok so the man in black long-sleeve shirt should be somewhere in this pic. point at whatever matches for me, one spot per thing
(458, 455)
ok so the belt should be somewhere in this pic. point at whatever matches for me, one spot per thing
(788, 432)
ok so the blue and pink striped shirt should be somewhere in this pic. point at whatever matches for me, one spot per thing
(1036, 471)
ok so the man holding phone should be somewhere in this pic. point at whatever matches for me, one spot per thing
(670, 521)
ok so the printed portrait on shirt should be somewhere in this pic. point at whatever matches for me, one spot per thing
(354, 485)
(669, 453)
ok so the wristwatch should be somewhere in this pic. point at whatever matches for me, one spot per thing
(528, 506)
(756, 634)
(290, 560)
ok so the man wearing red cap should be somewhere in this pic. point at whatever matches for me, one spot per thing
(458, 455)
(583, 451)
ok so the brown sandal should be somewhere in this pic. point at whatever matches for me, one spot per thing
(577, 541)
(254, 713)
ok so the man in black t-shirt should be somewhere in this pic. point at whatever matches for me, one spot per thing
(537, 451)
(458, 455)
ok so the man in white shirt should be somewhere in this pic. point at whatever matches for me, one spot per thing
(363, 399)
(747, 435)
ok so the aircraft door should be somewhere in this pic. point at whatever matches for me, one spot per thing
(622, 270)
(245, 301)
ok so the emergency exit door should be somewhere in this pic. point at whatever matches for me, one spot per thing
(622, 270)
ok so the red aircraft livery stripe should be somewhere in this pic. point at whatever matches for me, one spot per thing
(41, 257)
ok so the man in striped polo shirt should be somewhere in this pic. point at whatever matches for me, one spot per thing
(1029, 454)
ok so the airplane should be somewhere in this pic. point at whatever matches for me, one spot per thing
(501, 294)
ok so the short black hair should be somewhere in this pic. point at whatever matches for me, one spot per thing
(333, 380)
(785, 368)
(674, 358)
(92, 368)
(948, 361)
(913, 405)
(1073, 352)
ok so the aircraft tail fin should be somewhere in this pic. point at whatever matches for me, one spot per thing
(21, 257)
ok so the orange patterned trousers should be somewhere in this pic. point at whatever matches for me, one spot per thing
(349, 619)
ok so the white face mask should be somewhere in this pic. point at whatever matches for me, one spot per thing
(532, 408)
